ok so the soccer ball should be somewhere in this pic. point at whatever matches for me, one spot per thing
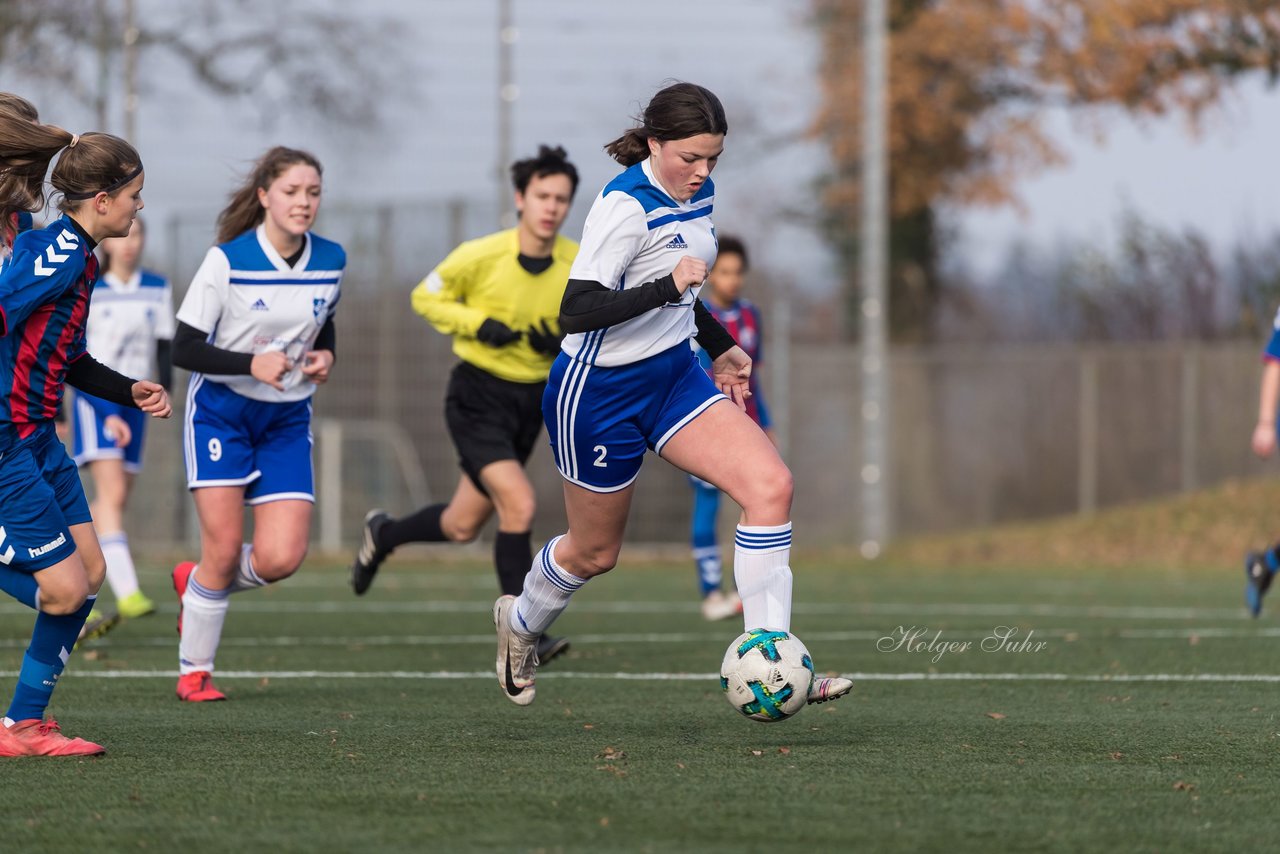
(766, 675)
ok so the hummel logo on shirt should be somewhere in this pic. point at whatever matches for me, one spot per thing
(260, 305)
(677, 242)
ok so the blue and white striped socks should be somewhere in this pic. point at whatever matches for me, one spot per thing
(203, 613)
(247, 577)
(546, 593)
(761, 568)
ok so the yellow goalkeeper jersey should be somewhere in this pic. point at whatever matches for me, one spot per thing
(483, 278)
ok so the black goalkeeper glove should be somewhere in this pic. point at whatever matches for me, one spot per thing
(543, 339)
(495, 333)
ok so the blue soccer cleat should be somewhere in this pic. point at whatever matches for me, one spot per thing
(1257, 578)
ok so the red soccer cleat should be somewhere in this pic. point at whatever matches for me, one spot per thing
(35, 737)
(181, 575)
(198, 688)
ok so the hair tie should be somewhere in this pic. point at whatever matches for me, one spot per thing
(75, 137)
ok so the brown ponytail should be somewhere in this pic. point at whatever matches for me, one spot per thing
(678, 111)
(243, 211)
(26, 149)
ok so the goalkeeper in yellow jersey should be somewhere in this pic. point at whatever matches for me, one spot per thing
(499, 297)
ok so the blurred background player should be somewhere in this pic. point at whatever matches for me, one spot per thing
(1260, 567)
(16, 208)
(498, 296)
(627, 380)
(256, 329)
(50, 559)
(131, 327)
(741, 318)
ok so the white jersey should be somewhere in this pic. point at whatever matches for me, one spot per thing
(634, 234)
(126, 319)
(250, 301)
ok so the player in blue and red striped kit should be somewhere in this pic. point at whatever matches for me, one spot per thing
(50, 559)
(741, 319)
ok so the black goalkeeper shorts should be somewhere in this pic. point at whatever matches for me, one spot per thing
(491, 419)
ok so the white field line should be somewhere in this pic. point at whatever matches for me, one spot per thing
(422, 675)
(275, 604)
(125, 642)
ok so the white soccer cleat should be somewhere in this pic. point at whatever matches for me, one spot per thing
(517, 661)
(720, 606)
(824, 688)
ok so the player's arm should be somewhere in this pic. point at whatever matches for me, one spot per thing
(1264, 434)
(320, 358)
(30, 280)
(441, 297)
(92, 377)
(164, 332)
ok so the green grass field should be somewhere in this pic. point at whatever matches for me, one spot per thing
(1146, 722)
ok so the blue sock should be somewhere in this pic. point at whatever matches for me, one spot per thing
(706, 551)
(51, 643)
(19, 585)
(1270, 559)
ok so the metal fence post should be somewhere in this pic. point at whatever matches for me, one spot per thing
(1088, 417)
(330, 493)
(1190, 433)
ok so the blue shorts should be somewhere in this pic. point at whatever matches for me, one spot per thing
(40, 499)
(89, 415)
(232, 440)
(600, 420)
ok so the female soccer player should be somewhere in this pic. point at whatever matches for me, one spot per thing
(131, 324)
(498, 297)
(50, 559)
(741, 319)
(627, 380)
(256, 330)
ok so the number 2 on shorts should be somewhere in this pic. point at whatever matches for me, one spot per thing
(601, 450)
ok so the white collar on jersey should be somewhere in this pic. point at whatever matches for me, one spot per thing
(124, 286)
(276, 259)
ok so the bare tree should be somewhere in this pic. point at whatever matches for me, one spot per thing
(291, 56)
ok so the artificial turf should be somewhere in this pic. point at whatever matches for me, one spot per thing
(374, 724)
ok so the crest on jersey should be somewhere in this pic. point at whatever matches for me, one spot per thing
(317, 308)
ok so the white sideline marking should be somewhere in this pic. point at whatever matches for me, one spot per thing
(682, 677)
(275, 605)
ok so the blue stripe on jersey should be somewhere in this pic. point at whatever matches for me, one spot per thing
(152, 280)
(635, 183)
(680, 217)
(235, 280)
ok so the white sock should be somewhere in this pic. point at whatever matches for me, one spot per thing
(121, 575)
(246, 577)
(761, 568)
(546, 593)
(203, 612)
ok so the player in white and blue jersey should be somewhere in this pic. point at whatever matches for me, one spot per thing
(256, 330)
(130, 327)
(627, 381)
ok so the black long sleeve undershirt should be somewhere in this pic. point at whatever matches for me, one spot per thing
(589, 305)
(164, 362)
(192, 352)
(711, 336)
(92, 377)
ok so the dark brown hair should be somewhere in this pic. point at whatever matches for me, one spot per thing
(549, 161)
(727, 244)
(243, 211)
(19, 105)
(678, 111)
(90, 164)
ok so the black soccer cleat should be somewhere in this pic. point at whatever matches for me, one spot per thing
(368, 557)
(1257, 578)
(549, 648)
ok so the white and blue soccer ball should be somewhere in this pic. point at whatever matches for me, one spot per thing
(766, 675)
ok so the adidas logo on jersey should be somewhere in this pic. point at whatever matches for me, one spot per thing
(260, 305)
(677, 242)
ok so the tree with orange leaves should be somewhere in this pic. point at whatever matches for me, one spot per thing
(969, 84)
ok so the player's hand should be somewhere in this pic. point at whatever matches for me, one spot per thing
(495, 333)
(316, 365)
(152, 399)
(689, 272)
(1264, 439)
(731, 372)
(117, 430)
(544, 338)
(271, 367)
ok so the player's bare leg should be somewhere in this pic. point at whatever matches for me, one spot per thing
(724, 447)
